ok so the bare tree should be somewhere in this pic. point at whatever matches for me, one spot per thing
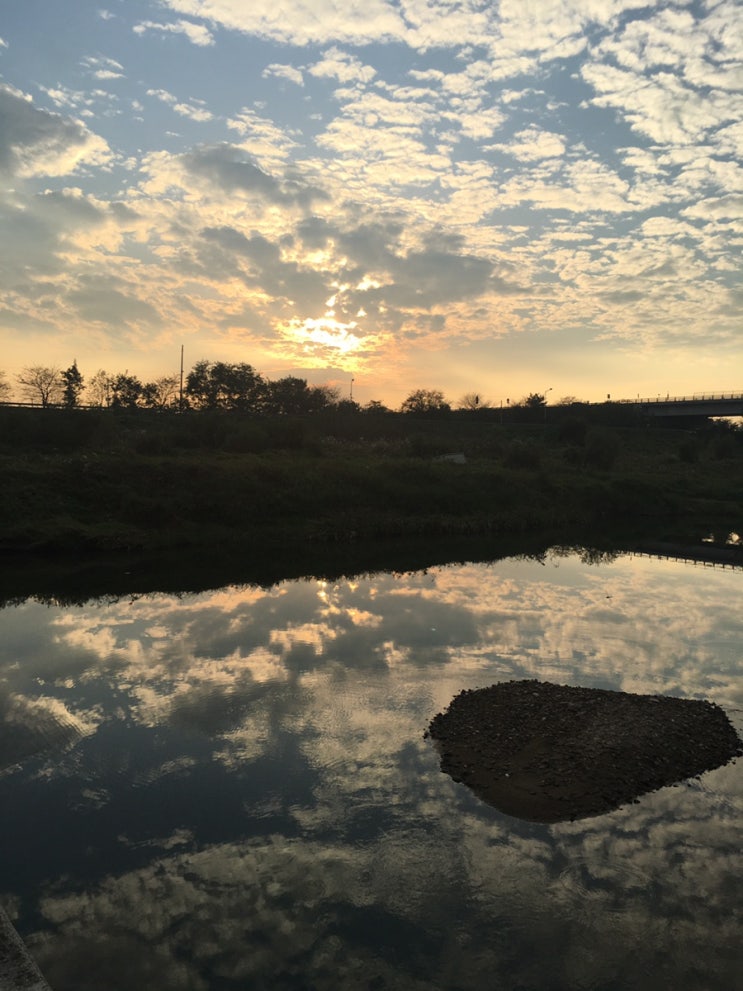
(162, 393)
(473, 401)
(5, 389)
(42, 384)
(100, 389)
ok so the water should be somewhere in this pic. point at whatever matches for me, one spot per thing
(231, 790)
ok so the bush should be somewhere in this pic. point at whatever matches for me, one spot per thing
(573, 431)
(689, 451)
(246, 438)
(523, 455)
(602, 449)
(723, 446)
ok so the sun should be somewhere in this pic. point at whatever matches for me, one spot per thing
(324, 334)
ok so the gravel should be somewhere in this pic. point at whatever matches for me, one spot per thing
(550, 753)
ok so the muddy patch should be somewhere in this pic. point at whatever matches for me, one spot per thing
(550, 753)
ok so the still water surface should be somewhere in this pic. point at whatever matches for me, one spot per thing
(231, 790)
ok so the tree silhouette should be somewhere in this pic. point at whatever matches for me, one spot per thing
(425, 401)
(473, 401)
(376, 406)
(162, 393)
(221, 385)
(323, 397)
(41, 383)
(72, 385)
(288, 396)
(126, 391)
(4, 388)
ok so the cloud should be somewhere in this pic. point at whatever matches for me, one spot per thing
(258, 263)
(288, 72)
(196, 111)
(534, 144)
(581, 187)
(300, 22)
(163, 95)
(256, 248)
(662, 107)
(673, 76)
(68, 207)
(197, 34)
(34, 142)
(343, 67)
(228, 168)
(716, 208)
(267, 143)
(103, 68)
(545, 137)
(100, 303)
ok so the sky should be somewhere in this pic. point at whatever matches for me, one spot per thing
(467, 195)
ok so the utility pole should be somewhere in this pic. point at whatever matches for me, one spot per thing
(351, 393)
(180, 398)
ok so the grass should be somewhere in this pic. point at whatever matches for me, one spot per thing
(97, 481)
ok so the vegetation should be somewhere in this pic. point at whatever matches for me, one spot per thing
(5, 389)
(41, 384)
(130, 478)
(72, 386)
(425, 401)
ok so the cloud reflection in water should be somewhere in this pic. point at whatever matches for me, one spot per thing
(254, 805)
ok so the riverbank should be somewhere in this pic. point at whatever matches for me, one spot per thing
(138, 486)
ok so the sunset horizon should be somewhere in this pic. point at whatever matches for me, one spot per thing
(500, 199)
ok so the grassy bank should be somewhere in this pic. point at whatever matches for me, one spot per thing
(97, 481)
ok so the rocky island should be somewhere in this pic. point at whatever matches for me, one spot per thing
(549, 753)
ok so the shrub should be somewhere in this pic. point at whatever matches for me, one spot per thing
(689, 451)
(523, 455)
(602, 449)
(246, 438)
(723, 446)
(573, 431)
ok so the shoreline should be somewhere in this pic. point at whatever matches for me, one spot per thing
(229, 486)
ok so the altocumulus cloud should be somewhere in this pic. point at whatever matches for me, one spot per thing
(556, 184)
(34, 142)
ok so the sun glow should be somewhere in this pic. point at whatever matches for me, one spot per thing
(325, 332)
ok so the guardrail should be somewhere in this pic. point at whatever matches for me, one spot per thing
(14, 405)
(696, 397)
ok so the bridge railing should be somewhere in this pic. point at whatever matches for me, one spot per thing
(696, 397)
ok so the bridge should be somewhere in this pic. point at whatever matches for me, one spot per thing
(697, 405)
(707, 554)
